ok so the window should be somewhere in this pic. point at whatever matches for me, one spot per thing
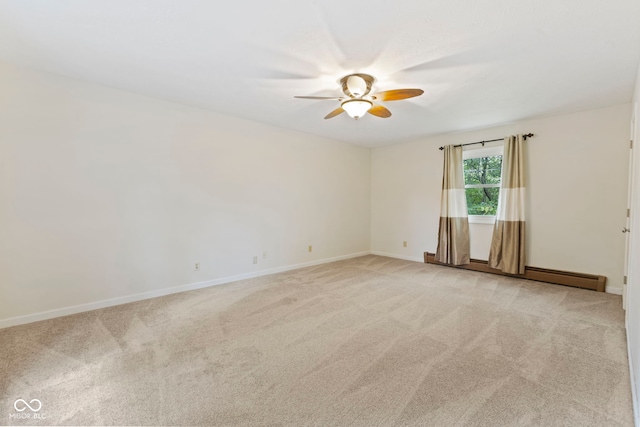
(482, 175)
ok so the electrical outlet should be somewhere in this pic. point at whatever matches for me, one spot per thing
(255, 259)
(404, 244)
(196, 266)
(310, 248)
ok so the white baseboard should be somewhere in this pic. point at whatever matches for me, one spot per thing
(634, 396)
(310, 264)
(405, 257)
(612, 290)
(65, 311)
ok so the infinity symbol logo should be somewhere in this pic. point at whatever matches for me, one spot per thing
(26, 405)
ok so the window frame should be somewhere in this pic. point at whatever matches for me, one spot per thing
(474, 153)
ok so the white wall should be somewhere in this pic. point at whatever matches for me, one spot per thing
(577, 191)
(106, 194)
(633, 285)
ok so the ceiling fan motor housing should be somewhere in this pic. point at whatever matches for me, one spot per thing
(356, 85)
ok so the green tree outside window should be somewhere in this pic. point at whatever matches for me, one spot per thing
(482, 184)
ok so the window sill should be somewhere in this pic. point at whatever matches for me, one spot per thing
(482, 219)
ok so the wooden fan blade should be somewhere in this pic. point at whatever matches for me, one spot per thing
(379, 111)
(317, 97)
(398, 94)
(334, 113)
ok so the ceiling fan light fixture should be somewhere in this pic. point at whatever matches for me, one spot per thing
(356, 108)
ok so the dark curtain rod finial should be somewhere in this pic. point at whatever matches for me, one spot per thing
(525, 136)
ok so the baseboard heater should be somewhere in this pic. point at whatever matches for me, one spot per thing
(566, 278)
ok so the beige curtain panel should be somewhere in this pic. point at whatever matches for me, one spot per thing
(507, 246)
(453, 234)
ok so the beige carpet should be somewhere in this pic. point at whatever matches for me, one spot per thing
(371, 341)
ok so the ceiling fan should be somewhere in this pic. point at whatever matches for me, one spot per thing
(357, 99)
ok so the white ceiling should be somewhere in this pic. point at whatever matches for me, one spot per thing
(480, 63)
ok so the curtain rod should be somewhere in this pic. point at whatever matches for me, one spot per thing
(525, 136)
